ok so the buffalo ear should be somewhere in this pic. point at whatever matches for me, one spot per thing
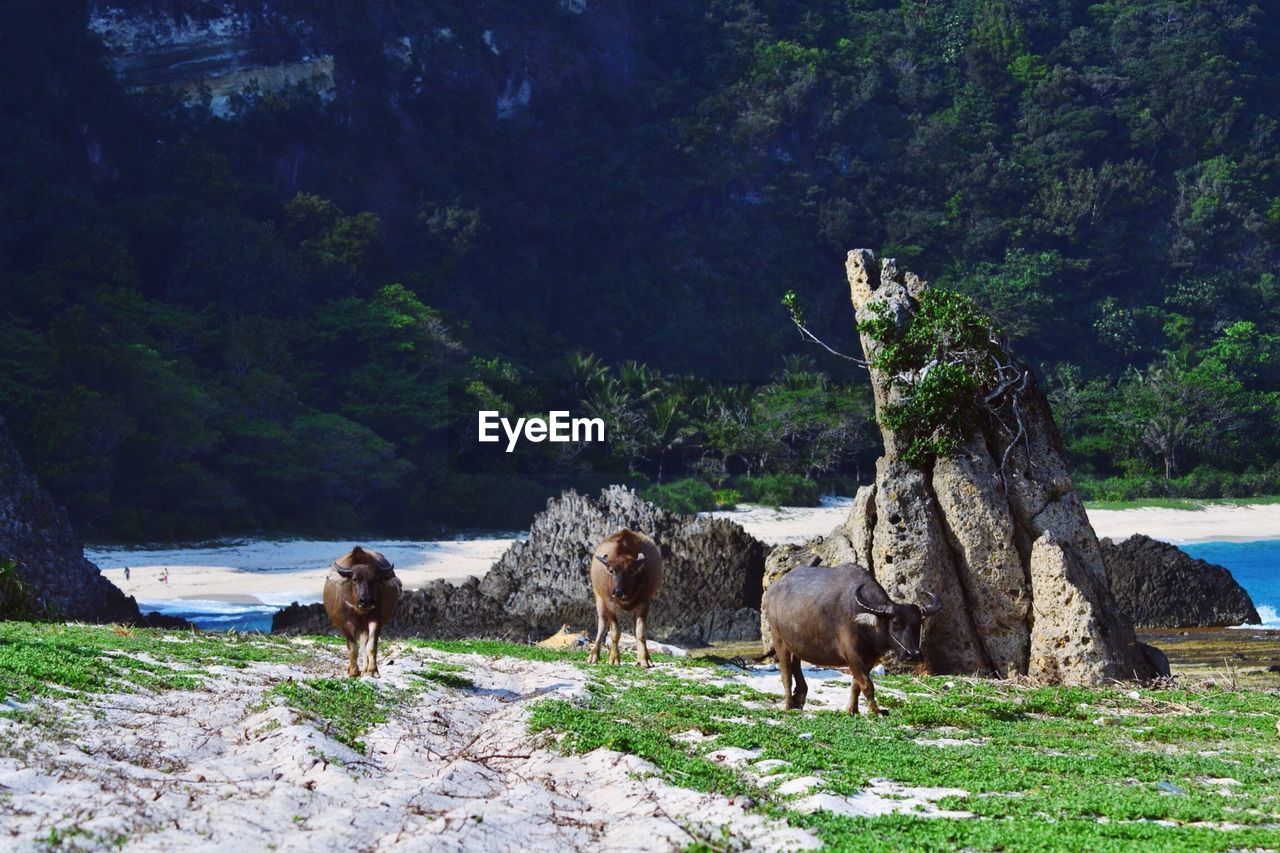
(602, 560)
(868, 619)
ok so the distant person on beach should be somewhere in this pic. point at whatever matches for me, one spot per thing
(164, 575)
(126, 574)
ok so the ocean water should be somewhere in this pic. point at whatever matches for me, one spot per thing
(1255, 566)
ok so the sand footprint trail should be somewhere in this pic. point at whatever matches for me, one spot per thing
(221, 767)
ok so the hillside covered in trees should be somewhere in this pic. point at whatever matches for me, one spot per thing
(274, 297)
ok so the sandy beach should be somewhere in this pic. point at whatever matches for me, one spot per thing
(274, 573)
(1207, 522)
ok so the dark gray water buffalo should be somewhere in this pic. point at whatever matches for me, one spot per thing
(360, 595)
(834, 617)
(626, 571)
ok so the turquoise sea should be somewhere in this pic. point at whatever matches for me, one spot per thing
(1255, 566)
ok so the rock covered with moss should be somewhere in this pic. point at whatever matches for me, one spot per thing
(712, 570)
(972, 499)
(1161, 586)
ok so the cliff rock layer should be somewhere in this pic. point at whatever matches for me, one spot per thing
(712, 571)
(35, 534)
(995, 529)
(1159, 586)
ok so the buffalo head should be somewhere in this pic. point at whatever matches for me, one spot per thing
(625, 573)
(364, 571)
(903, 622)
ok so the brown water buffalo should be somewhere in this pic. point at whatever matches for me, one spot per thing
(360, 595)
(839, 617)
(626, 571)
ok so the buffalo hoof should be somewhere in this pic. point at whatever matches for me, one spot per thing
(644, 664)
(373, 673)
(352, 672)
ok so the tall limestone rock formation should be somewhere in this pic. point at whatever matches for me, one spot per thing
(994, 528)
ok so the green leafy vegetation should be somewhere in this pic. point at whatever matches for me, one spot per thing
(687, 496)
(1043, 768)
(344, 708)
(214, 325)
(66, 660)
(942, 368)
(15, 596)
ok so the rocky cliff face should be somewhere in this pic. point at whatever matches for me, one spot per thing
(499, 50)
(712, 572)
(35, 533)
(1159, 586)
(995, 529)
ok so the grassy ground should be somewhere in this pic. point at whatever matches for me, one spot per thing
(1181, 503)
(1035, 767)
(1043, 768)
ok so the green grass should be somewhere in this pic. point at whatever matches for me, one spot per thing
(65, 660)
(1181, 503)
(344, 708)
(1043, 777)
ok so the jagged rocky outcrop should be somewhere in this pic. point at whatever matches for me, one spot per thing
(712, 572)
(995, 529)
(36, 534)
(1159, 585)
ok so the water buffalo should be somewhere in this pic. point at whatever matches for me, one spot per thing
(360, 595)
(833, 617)
(626, 571)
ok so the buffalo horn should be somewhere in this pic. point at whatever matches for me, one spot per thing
(387, 571)
(640, 557)
(602, 559)
(878, 609)
(345, 572)
(934, 605)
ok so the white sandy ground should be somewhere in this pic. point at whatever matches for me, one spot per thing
(454, 769)
(1209, 522)
(1206, 523)
(277, 572)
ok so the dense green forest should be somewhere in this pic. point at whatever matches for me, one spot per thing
(286, 319)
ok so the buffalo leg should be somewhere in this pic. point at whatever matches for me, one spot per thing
(371, 651)
(353, 655)
(854, 691)
(784, 669)
(615, 634)
(602, 624)
(642, 644)
(802, 687)
(863, 681)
